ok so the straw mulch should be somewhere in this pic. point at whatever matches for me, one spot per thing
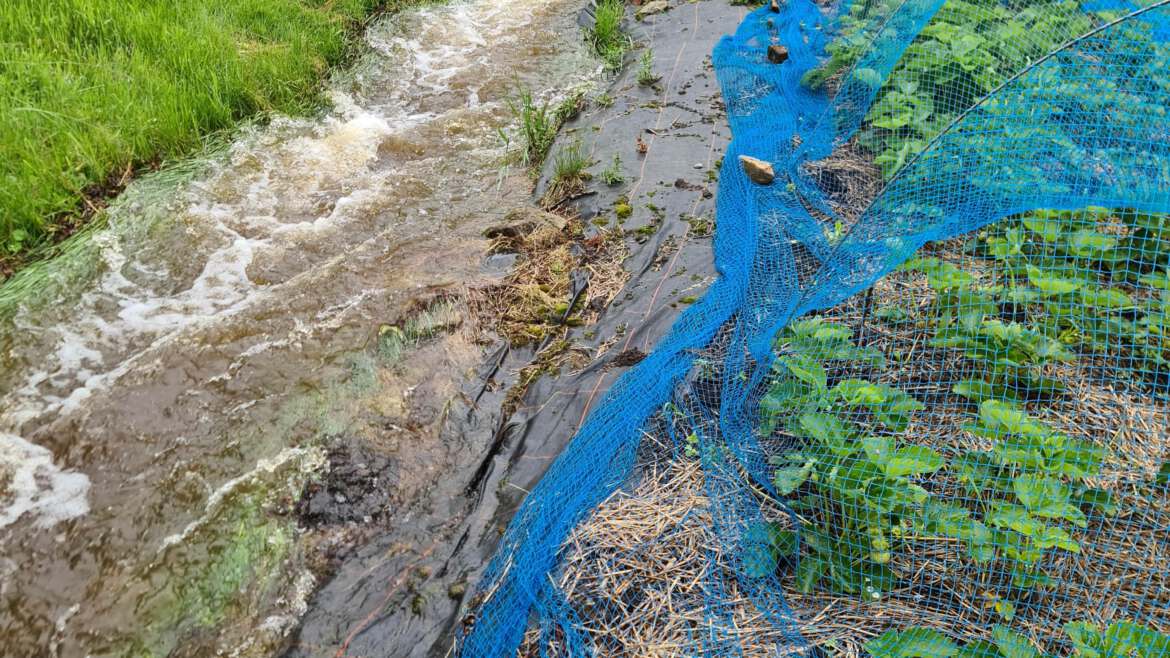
(639, 571)
(637, 574)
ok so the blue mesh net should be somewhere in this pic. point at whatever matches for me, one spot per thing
(922, 412)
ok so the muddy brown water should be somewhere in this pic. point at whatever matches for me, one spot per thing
(271, 323)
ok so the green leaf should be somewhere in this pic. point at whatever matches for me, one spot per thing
(759, 558)
(784, 542)
(892, 315)
(854, 476)
(856, 575)
(789, 478)
(1085, 637)
(914, 642)
(1015, 517)
(809, 572)
(1106, 298)
(860, 392)
(1047, 497)
(1078, 459)
(1054, 537)
(979, 649)
(1012, 645)
(1087, 242)
(830, 431)
(878, 448)
(948, 277)
(1048, 228)
(868, 77)
(1051, 284)
(1159, 279)
(975, 390)
(1010, 419)
(956, 522)
(1124, 638)
(895, 413)
(806, 369)
(981, 471)
(913, 460)
(1098, 499)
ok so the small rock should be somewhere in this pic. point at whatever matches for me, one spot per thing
(759, 171)
(777, 54)
(650, 8)
(775, 7)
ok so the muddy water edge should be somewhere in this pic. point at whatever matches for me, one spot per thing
(267, 361)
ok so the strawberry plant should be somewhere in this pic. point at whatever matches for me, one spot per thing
(919, 642)
(1122, 639)
(806, 348)
(1076, 272)
(967, 50)
(1010, 357)
(855, 488)
(1029, 489)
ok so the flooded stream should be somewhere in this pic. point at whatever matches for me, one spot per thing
(170, 387)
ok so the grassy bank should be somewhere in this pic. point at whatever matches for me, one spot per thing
(93, 90)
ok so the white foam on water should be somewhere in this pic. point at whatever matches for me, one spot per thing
(36, 486)
(118, 312)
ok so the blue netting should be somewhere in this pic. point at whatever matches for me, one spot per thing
(925, 399)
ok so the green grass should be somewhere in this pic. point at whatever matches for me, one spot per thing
(92, 88)
(538, 126)
(646, 75)
(569, 175)
(608, 40)
(570, 162)
(538, 123)
(612, 174)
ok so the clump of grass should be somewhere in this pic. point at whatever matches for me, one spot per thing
(91, 90)
(646, 75)
(608, 40)
(612, 174)
(569, 176)
(604, 99)
(539, 123)
(570, 163)
(571, 106)
(538, 126)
